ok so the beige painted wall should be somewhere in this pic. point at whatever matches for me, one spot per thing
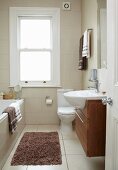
(37, 112)
(102, 3)
(89, 20)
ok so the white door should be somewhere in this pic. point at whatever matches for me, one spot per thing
(112, 86)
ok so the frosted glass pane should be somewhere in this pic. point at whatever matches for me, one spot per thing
(35, 66)
(35, 33)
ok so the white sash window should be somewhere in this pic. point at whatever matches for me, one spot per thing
(34, 47)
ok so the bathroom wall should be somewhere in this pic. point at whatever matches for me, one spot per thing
(37, 112)
(101, 3)
(89, 20)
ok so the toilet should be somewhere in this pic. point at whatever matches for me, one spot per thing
(65, 111)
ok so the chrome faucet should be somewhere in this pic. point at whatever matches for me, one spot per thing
(93, 78)
(96, 86)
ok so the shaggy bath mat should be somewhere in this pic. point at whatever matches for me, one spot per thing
(38, 148)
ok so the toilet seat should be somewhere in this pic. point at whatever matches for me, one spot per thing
(66, 111)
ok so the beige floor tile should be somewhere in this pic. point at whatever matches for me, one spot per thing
(73, 146)
(70, 145)
(71, 135)
(8, 166)
(51, 167)
(80, 162)
(33, 128)
(16, 145)
(30, 128)
(14, 167)
(48, 128)
(62, 147)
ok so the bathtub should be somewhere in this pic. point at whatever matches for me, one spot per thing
(7, 140)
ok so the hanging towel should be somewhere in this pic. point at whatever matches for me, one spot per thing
(17, 110)
(86, 50)
(11, 118)
(14, 116)
(82, 60)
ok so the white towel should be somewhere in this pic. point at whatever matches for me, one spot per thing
(86, 44)
(16, 106)
(17, 110)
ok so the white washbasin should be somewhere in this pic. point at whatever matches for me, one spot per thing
(78, 98)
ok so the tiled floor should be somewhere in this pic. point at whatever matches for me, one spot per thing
(73, 156)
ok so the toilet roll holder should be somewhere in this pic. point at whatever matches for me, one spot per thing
(48, 100)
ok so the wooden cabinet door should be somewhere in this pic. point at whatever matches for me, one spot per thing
(91, 127)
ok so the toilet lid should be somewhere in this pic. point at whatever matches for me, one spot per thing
(66, 110)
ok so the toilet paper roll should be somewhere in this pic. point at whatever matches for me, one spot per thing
(48, 101)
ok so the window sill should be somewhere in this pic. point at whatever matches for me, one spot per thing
(41, 86)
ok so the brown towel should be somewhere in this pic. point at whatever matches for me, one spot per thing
(12, 118)
(82, 60)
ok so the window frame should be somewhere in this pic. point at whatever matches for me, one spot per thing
(15, 14)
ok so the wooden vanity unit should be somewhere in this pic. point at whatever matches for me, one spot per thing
(90, 126)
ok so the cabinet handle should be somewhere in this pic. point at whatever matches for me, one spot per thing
(79, 117)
